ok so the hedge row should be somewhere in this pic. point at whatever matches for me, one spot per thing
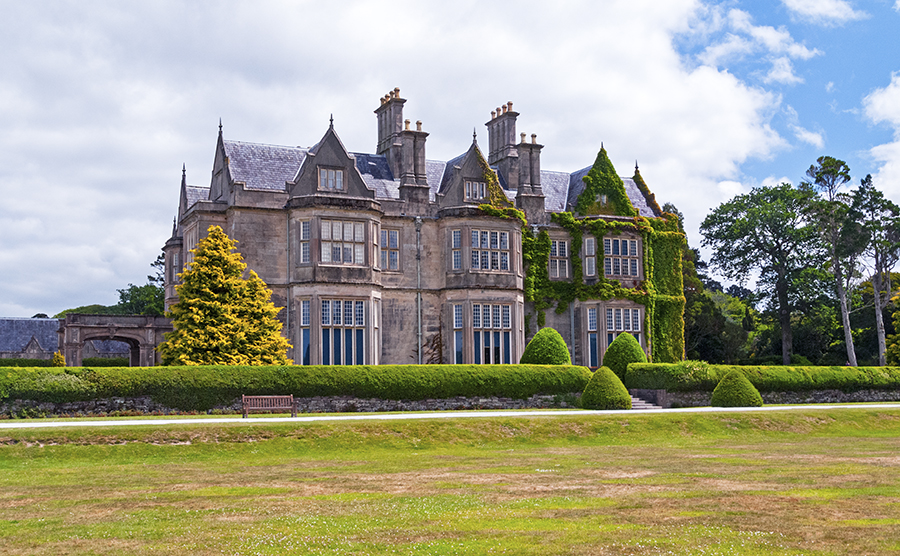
(14, 362)
(691, 376)
(202, 388)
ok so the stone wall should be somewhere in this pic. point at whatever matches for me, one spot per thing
(321, 404)
(701, 399)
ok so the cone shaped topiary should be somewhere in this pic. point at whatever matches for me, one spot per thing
(734, 390)
(605, 391)
(623, 350)
(546, 348)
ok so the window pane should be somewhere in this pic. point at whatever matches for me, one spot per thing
(553, 271)
(477, 339)
(457, 316)
(615, 246)
(360, 314)
(476, 315)
(592, 342)
(323, 178)
(495, 240)
(304, 229)
(384, 240)
(394, 239)
(384, 258)
(360, 348)
(496, 319)
(495, 260)
(636, 320)
(592, 319)
(348, 313)
(506, 320)
(457, 239)
(633, 244)
(326, 347)
(304, 252)
(395, 260)
(618, 315)
(304, 312)
(607, 246)
(348, 253)
(475, 258)
(616, 267)
(504, 240)
(337, 346)
(563, 249)
(485, 242)
(458, 344)
(553, 248)
(336, 252)
(485, 262)
(634, 269)
(475, 239)
(589, 246)
(326, 312)
(627, 319)
(506, 348)
(457, 260)
(336, 312)
(609, 319)
(358, 254)
(607, 266)
(337, 230)
(304, 349)
(339, 179)
(326, 229)
(589, 264)
(563, 269)
(358, 232)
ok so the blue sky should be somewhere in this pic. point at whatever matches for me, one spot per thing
(101, 103)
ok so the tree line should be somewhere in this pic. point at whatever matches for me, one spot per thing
(820, 258)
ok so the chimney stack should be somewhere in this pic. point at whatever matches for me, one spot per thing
(502, 143)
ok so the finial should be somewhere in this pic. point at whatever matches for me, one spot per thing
(220, 126)
(635, 165)
(331, 121)
(474, 135)
(183, 169)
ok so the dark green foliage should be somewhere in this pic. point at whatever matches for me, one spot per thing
(605, 391)
(734, 390)
(148, 299)
(623, 350)
(105, 362)
(546, 348)
(603, 180)
(201, 388)
(91, 310)
(694, 376)
(25, 362)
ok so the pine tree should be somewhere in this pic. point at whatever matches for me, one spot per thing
(58, 360)
(222, 318)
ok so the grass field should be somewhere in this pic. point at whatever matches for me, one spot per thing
(815, 481)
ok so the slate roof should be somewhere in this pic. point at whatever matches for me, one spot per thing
(15, 333)
(268, 167)
(110, 347)
(263, 167)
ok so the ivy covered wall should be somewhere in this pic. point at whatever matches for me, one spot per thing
(661, 292)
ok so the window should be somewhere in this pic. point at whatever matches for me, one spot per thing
(620, 257)
(491, 333)
(457, 334)
(176, 268)
(456, 249)
(304, 241)
(390, 249)
(590, 260)
(490, 250)
(622, 320)
(331, 179)
(305, 332)
(593, 354)
(475, 190)
(343, 242)
(559, 259)
(343, 332)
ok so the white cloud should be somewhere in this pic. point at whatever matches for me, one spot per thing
(883, 106)
(897, 6)
(101, 103)
(742, 40)
(824, 12)
(813, 138)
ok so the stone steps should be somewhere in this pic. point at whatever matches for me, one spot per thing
(637, 403)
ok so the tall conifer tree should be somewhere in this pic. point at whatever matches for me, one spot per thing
(222, 318)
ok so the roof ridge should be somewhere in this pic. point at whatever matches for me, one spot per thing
(297, 148)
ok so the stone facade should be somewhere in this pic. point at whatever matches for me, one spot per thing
(386, 258)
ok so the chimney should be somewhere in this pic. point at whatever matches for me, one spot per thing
(502, 143)
(390, 125)
(530, 197)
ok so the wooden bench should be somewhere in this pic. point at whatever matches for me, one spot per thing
(268, 404)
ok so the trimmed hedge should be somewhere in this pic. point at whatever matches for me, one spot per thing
(13, 362)
(105, 362)
(202, 388)
(692, 376)
(623, 350)
(546, 348)
(605, 391)
(734, 390)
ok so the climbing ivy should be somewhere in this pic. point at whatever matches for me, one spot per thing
(661, 292)
(604, 191)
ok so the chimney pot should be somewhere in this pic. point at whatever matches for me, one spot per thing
(504, 109)
(523, 137)
(418, 125)
(509, 105)
(493, 115)
(397, 92)
(499, 111)
(406, 123)
(534, 138)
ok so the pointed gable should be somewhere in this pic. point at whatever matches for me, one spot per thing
(329, 169)
(468, 167)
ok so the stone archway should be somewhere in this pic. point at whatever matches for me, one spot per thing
(142, 333)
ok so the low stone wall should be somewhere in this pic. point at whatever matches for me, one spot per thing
(322, 404)
(700, 399)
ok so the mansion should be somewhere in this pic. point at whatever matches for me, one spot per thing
(391, 258)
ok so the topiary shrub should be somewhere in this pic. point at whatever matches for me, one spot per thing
(622, 351)
(605, 391)
(734, 390)
(546, 348)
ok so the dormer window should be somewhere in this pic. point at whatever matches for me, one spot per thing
(331, 179)
(475, 190)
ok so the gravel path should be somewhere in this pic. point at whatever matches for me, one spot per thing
(40, 424)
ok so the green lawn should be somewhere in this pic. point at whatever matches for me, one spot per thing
(814, 481)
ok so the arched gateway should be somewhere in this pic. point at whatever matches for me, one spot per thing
(142, 333)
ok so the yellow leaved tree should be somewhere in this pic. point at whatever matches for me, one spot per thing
(222, 318)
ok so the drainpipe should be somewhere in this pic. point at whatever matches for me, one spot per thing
(418, 222)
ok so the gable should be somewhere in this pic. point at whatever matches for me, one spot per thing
(469, 167)
(328, 169)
